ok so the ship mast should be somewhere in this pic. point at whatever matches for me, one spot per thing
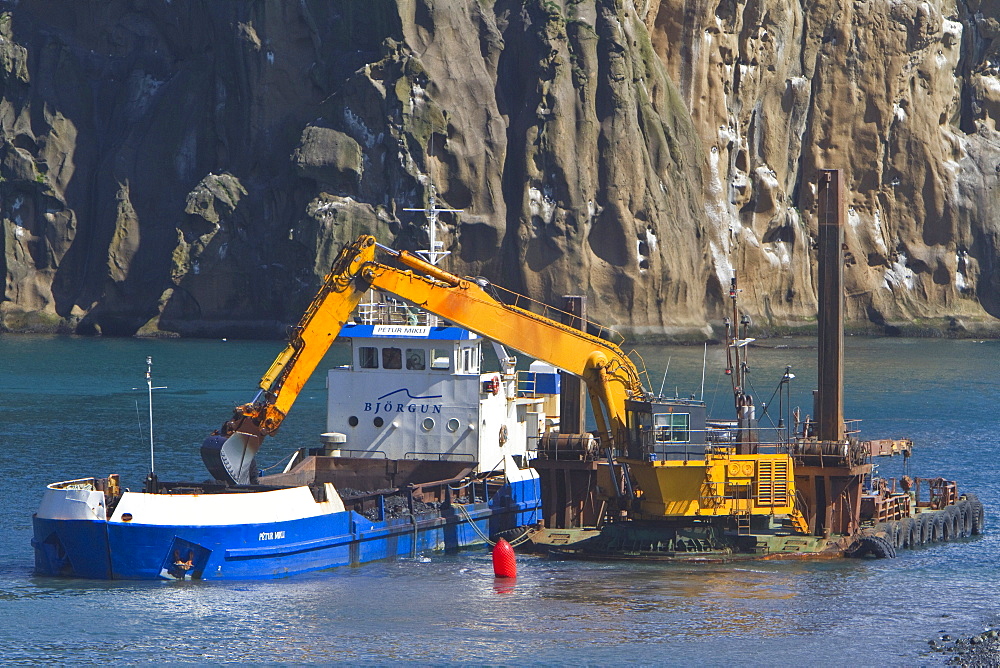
(737, 368)
(434, 254)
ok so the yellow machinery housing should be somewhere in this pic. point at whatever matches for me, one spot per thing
(721, 484)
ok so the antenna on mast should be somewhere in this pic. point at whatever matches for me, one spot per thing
(434, 253)
(151, 478)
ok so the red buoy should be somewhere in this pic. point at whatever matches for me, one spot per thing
(504, 563)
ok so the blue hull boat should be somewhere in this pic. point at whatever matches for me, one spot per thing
(265, 533)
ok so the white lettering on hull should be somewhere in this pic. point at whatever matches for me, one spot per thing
(271, 535)
(401, 330)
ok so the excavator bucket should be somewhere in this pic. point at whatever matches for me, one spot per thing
(232, 459)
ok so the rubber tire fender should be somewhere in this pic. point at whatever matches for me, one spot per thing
(978, 516)
(876, 546)
(957, 524)
(947, 524)
(937, 521)
(886, 530)
(926, 528)
(966, 508)
(909, 533)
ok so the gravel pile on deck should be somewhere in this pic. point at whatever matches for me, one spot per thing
(395, 505)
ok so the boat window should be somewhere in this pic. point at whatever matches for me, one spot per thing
(672, 427)
(368, 357)
(440, 359)
(415, 359)
(466, 360)
(392, 358)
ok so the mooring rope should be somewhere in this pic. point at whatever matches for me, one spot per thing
(523, 538)
(473, 523)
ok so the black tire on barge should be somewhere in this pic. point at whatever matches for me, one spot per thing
(965, 512)
(889, 531)
(978, 516)
(937, 519)
(901, 536)
(926, 523)
(949, 524)
(909, 533)
(871, 546)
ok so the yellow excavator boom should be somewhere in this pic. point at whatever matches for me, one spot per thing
(609, 374)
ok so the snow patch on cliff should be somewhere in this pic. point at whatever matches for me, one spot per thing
(899, 275)
(961, 283)
(853, 223)
(717, 213)
(879, 235)
(541, 204)
(778, 254)
(645, 246)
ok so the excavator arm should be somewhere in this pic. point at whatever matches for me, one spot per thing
(229, 453)
(610, 376)
(312, 337)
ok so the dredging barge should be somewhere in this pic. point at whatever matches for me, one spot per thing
(678, 487)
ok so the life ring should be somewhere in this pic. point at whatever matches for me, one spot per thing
(503, 434)
(492, 385)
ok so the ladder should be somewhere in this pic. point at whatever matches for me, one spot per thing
(742, 506)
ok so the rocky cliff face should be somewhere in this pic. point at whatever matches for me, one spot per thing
(192, 168)
(902, 96)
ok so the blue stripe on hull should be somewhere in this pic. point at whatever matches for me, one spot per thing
(97, 549)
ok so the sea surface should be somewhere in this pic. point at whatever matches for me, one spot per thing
(68, 409)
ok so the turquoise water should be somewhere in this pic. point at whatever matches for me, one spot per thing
(67, 409)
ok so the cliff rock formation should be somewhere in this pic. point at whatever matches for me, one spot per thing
(193, 167)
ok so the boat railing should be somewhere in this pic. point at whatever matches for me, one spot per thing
(369, 454)
(939, 492)
(511, 298)
(87, 484)
(388, 311)
(808, 427)
(410, 501)
(533, 384)
(729, 431)
(884, 503)
(527, 384)
(686, 444)
(441, 456)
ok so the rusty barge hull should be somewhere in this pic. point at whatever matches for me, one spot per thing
(653, 541)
